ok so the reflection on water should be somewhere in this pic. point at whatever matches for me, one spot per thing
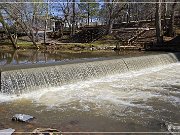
(35, 56)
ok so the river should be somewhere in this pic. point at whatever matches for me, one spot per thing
(147, 100)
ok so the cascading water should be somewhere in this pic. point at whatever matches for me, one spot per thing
(31, 79)
(138, 94)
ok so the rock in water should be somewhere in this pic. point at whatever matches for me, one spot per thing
(8, 131)
(45, 131)
(22, 117)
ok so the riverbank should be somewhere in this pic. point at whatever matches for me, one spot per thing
(107, 42)
(169, 44)
(58, 46)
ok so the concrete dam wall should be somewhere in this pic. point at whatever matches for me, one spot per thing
(27, 78)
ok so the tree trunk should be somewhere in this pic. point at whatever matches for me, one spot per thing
(45, 28)
(128, 13)
(13, 40)
(110, 17)
(88, 14)
(32, 37)
(171, 31)
(67, 23)
(158, 22)
(110, 25)
(10, 36)
(36, 36)
(164, 16)
(62, 29)
(137, 13)
(73, 23)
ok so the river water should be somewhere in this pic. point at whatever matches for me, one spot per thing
(138, 101)
(37, 56)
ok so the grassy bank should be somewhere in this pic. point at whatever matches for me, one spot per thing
(98, 45)
(107, 42)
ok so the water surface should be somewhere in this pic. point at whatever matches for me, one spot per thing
(51, 56)
(137, 101)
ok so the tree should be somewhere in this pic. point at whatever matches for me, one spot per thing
(113, 9)
(171, 31)
(12, 37)
(73, 19)
(159, 35)
(65, 8)
(28, 16)
(91, 9)
(67, 13)
(45, 24)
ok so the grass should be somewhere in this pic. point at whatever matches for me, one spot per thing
(19, 43)
(25, 44)
(75, 46)
(105, 41)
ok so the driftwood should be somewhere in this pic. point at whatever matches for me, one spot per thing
(45, 131)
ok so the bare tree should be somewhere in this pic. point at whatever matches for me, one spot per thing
(113, 10)
(65, 8)
(27, 16)
(89, 9)
(12, 37)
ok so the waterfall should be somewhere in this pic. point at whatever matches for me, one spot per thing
(26, 79)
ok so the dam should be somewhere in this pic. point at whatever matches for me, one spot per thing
(135, 94)
(18, 80)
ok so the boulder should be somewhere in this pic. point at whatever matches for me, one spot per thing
(22, 117)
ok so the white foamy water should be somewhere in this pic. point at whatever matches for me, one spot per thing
(133, 89)
(120, 89)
